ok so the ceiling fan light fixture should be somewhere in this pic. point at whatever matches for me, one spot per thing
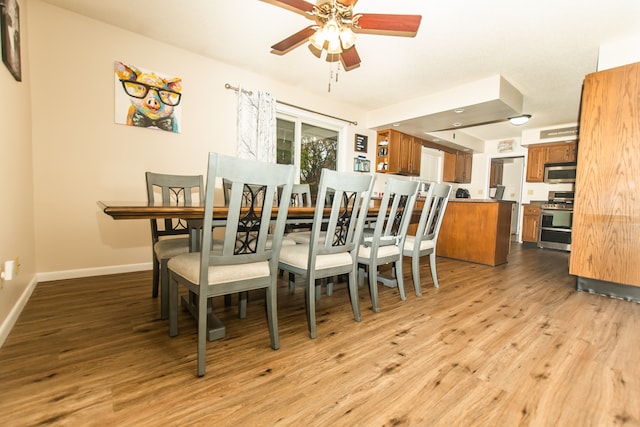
(519, 120)
(317, 39)
(333, 46)
(348, 38)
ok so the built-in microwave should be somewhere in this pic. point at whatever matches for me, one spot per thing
(560, 172)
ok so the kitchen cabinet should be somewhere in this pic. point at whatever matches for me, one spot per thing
(457, 167)
(540, 154)
(495, 176)
(397, 153)
(530, 223)
(606, 216)
(476, 230)
(449, 167)
(563, 152)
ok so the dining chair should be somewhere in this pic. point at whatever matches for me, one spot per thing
(301, 195)
(382, 245)
(245, 261)
(426, 238)
(170, 236)
(333, 244)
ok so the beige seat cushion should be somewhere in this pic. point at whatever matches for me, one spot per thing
(170, 247)
(297, 256)
(188, 266)
(410, 241)
(383, 251)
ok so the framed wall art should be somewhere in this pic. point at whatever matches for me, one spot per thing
(361, 143)
(10, 29)
(147, 99)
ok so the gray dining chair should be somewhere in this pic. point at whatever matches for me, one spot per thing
(245, 261)
(170, 236)
(426, 238)
(301, 195)
(333, 244)
(382, 245)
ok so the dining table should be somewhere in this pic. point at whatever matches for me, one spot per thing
(194, 214)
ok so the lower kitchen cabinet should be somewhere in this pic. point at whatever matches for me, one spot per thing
(530, 223)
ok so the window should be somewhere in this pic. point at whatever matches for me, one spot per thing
(309, 144)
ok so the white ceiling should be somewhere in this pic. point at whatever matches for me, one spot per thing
(541, 47)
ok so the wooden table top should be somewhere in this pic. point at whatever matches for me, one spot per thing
(145, 210)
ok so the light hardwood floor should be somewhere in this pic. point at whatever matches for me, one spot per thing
(494, 346)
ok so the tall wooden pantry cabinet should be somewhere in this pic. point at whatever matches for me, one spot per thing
(605, 247)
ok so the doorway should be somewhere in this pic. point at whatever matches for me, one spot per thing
(512, 179)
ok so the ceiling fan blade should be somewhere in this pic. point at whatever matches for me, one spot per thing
(350, 58)
(293, 41)
(396, 25)
(297, 6)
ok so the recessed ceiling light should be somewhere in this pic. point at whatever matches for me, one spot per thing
(457, 124)
(459, 110)
(396, 124)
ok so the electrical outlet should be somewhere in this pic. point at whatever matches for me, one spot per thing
(10, 270)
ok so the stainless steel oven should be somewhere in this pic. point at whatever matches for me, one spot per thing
(556, 219)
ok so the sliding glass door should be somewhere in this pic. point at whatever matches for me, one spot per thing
(311, 147)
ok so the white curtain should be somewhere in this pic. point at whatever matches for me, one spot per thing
(256, 126)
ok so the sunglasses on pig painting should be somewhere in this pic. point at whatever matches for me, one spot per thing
(140, 90)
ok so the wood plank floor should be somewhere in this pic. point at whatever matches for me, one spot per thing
(494, 346)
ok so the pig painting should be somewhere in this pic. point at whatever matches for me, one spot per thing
(152, 99)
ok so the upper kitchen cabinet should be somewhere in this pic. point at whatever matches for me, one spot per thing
(457, 167)
(397, 153)
(548, 153)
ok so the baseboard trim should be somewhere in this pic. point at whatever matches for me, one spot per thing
(8, 323)
(88, 272)
(12, 318)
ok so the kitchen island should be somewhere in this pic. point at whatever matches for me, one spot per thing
(476, 230)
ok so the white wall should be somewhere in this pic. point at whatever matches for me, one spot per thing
(81, 156)
(618, 53)
(16, 178)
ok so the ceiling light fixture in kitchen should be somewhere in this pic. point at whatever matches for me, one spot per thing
(519, 120)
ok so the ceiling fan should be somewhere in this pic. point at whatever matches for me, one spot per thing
(336, 26)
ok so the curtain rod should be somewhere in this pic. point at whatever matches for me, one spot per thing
(228, 86)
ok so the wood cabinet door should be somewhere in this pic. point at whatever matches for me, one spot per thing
(535, 163)
(414, 160)
(406, 150)
(564, 152)
(530, 223)
(449, 167)
(463, 167)
(604, 242)
(495, 176)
